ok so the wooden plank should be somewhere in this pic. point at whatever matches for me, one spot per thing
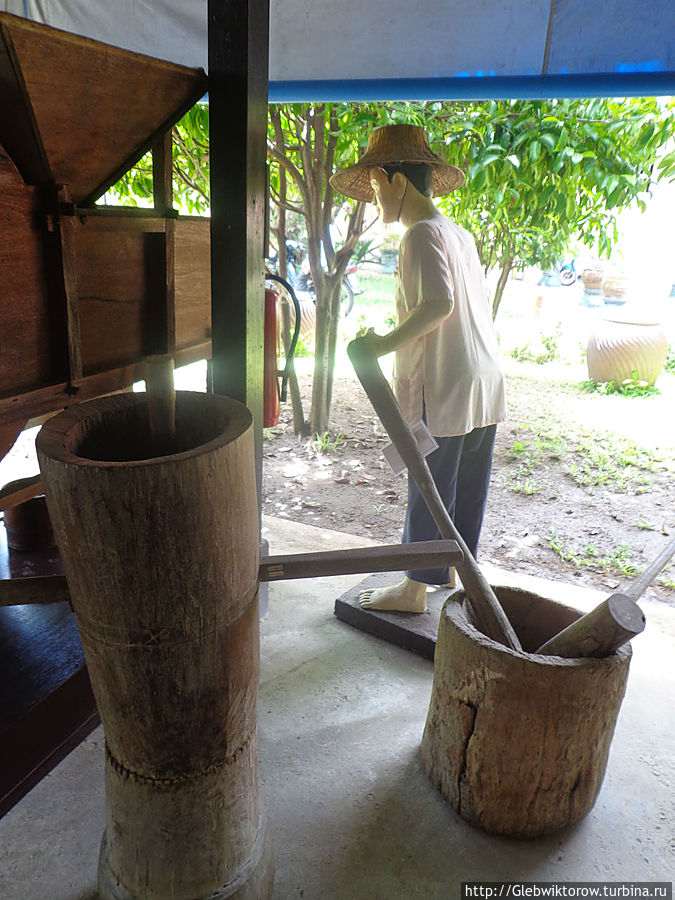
(98, 108)
(104, 219)
(38, 589)
(29, 326)
(18, 130)
(192, 280)
(19, 491)
(46, 399)
(388, 558)
(162, 174)
(68, 262)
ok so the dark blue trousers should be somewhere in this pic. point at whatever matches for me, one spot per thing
(461, 468)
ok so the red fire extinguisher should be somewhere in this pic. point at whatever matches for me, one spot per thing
(273, 393)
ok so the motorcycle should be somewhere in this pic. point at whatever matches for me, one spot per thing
(564, 274)
(300, 276)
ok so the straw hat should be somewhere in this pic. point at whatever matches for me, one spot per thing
(396, 144)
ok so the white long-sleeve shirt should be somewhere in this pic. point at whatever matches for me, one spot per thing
(455, 369)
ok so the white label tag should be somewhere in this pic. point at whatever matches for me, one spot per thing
(425, 441)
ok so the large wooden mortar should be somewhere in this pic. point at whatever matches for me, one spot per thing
(160, 549)
(517, 742)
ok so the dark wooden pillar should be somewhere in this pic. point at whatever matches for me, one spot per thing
(238, 76)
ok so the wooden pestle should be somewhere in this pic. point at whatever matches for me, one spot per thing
(486, 608)
(161, 400)
(612, 623)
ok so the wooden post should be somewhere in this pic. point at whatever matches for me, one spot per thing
(161, 558)
(518, 742)
(238, 64)
(72, 300)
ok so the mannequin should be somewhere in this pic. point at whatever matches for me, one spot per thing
(446, 365)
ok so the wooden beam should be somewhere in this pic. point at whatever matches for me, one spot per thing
(162, 174)
(388, 558)
(20, 407)
(38, 589)
(68, 264)
(238, 76)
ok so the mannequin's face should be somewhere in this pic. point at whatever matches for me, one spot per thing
(387, 196)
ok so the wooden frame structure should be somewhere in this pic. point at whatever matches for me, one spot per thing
(89, 292)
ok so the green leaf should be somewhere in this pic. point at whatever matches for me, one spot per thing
(535, 150)
(488, 158)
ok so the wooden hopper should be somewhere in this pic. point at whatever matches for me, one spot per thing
(78, 112)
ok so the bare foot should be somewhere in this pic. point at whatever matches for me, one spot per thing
(452, 581)
(407, 596)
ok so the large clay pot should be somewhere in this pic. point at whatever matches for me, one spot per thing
(160, 549)
(516, 741)
(620, 350)
(592, 279)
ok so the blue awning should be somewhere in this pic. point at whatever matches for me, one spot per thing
(397, 50)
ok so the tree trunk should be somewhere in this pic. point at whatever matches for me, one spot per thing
(300, 426)
(160, 550)
(501, 284)
(327, 330)
(518, 742)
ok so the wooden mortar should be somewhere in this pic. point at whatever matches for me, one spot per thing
(517, 742)
(159, 541)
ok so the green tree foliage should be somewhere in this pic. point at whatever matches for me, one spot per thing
(190, 152)
(543, 173)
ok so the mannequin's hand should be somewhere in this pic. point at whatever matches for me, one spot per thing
(376, 342)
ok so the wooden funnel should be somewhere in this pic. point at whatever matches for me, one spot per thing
(160, 550)
(79, 112)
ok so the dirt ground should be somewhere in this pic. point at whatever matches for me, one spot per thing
(579, 488)
(571, 498)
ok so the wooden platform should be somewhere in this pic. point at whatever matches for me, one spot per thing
(46, 703)
(412, 631)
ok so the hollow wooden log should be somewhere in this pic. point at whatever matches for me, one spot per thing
(161, 557)
(518, 742)
(600, 632)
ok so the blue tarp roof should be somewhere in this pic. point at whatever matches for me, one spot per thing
(395, 49)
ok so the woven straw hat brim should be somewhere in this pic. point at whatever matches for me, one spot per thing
(354, 181)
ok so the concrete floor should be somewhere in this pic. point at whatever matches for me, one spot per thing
(351, 811)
